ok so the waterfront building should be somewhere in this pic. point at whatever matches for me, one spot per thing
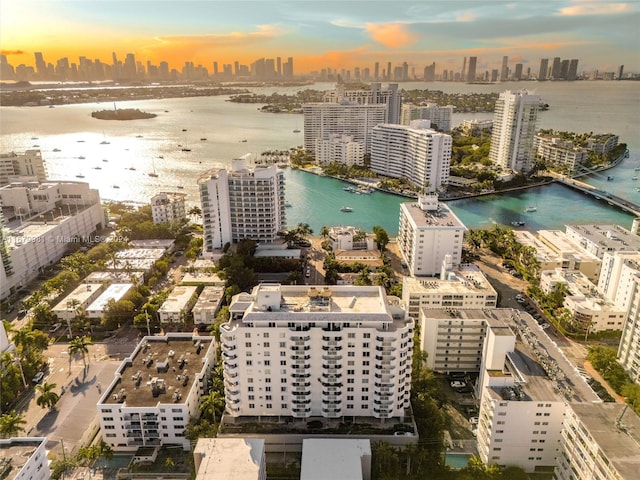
(526, 387)
(415, 152)
(599, 239)
(599, 442)
(544, 68)
(346, 459)
(350, 238)
(241, 203)
(460, 286)
(471, 74)
(156, 391)
(602, 143)
(369, 258)
(226, 458)
(429, 231)
(324, 120)
(208, 305)
(558, 152)
(476, 128)
(514, 126)
(24, 458)
(168, 207)
(201, 277)
(440, 117)
(41, 220)
(390, 97)
(553, 250)
(178, 304)
(22, 167)
(339, 148)
(321, 351)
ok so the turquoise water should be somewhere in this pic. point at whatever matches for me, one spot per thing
(457, 460)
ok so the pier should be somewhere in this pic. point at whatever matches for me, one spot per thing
(614, 200)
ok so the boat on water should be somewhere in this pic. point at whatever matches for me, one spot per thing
(132, 168)
(179, 187)
(635, 177)
(203, 139)
(184, 129)
(296, 131)
(153, 174)
(518, 224)
(115, 186)
(104, 142)
(530, 209)
(80, 141)
(97, 168)
(346, 209)
(185, 149)
(610, 178)
(34, 138)
(81, 157)
(138, 136)
(79, 176)
(244, 140)
(288, 205)
(57, 150)
(105, 160)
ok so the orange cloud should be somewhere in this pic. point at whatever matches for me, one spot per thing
(593, 8)
(391, 35)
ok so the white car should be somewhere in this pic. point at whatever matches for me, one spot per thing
(457, 384)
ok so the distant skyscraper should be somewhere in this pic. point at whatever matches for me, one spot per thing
(564, 69)
(517, 74)
(572, 74)
(215, 69)
(504, 72)
(471, 76)
(544, 66)
(279, 67)
(41, 65)
(620, 72)
(464, 70)
(388, 70)
(430, 72)
(556, 68)
(494, 75)
(376, 71)
(514, 126)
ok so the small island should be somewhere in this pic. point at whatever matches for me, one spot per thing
(122, 114)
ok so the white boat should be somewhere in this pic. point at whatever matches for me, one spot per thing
(635, 177)
(288, 205)
(346, 209)
(530, 209)
(518, 224)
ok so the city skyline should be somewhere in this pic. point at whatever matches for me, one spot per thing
(338, 35)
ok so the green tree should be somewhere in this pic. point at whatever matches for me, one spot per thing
(324, 231)
(11, 424)
(211, 403)
(48, 398)
(382, 237)
(170, 463)
(80, 345)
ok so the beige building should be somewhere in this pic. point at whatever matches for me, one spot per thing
(178, 304)
(22, 166)
(230, 458)
(168, 207)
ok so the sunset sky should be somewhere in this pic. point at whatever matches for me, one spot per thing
(320, 34)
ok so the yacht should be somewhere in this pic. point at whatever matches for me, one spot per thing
(79, 176)
(610, 178)
(518, 224)
(531, 209)
(57, 150)
(116, 186)
(346, 209)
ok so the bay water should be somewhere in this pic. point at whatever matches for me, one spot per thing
(116, 157)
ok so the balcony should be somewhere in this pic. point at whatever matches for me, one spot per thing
(295, 401)
(301, 384)
(301, 412)
(301, 375)
(335, 348)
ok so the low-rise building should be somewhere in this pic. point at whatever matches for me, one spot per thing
(599, 239)
(226, 458)
(573, 256)
(208, 305)
(339, 148)
(114, 292)
(350, 238)
(201, 277)
(428, 232)
(463, 286)
(475, 128)
(78, 300)
(333, 458)
(168, 207)
(438, 116)
(559, 152)
(24, 458)
(156, 391)
(368, 258)
(178, 305)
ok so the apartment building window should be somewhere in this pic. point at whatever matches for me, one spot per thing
(249, 380)
(349, 398)
(365, 398)
(364, 407)
(351, 354)
(268, 397)
(350, 380)
(365, 372)
(250, 389)
(108, 419)
(284, 405)
(249, 363)
(267, 380)
(365, 345)
(252, 405)
(283, 389)
(265, 335)
(267, 389)
(351, 335)
(365, 363)
(267, 363)
(247, 334)
(349, 406)
(365, 389)
(109, 427)
(266, 344)
(351, 372)
(366, 354)
(247, 344)
(349, 389)
(366, 335)
(283, 345)
(251, 397)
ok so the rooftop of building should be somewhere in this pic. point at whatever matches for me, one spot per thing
(544, 253)
(80, 294)
(166, 197)
(611, 236)
(178, 299)
(324, 458)
(226, 458)
(115, 277)
(210, 297)
(440, 217)
(38, 224)
(201, 278)
(153, 243)
(115, 291)
(15, 453)
(466, 277)
(369, 258)
(559, 242)
(616, 429)
(160, 370)
(577, 282)
(539, 368)
(140, 253)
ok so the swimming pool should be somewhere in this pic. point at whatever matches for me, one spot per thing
(457, 460)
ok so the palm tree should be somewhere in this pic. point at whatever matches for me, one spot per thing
(194, 212)
(48, 398)
(304, 230)
(324, 231)
(211, 402)
(80, 345)
(11, 424)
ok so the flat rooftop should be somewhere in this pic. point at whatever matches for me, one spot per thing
(203, 278)
(620, 445)
(541, 368)
(544, 253)
(115, 292)
(229, 458)
(442, 217)
(209, 298)
(16, 452)
(558, 240)
(331, 458)
(466, 278)
(611, 236)
(80, 294)
(140, 253)
(178, 299)
(116, 277)
(158, 368)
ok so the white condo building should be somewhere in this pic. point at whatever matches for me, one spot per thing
(18, 167)
(559, 152)
(416, 152)
(599, 239)
(40, 221)
(24, 458)
(440, 117)
(514, 127)
(168, 207)
(428, 232)
(242, 203)
(376, 95)
(328, 351)
(322, 121)
(339, 148)
(156, 391)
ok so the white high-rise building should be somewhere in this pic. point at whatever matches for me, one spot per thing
(242, 203)
(17, 167)
(323, 351)
(390, 97)
(514, 127)
(416, 152)
(168, 207)
(41, 220)
(324, 120)
(156, 391)
(428, 232)
(339, 148)
(440, 117)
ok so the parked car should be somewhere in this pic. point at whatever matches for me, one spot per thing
(457, 384)
(38, 377)
(54, 327)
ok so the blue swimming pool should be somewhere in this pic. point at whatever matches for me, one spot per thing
(457, 460)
